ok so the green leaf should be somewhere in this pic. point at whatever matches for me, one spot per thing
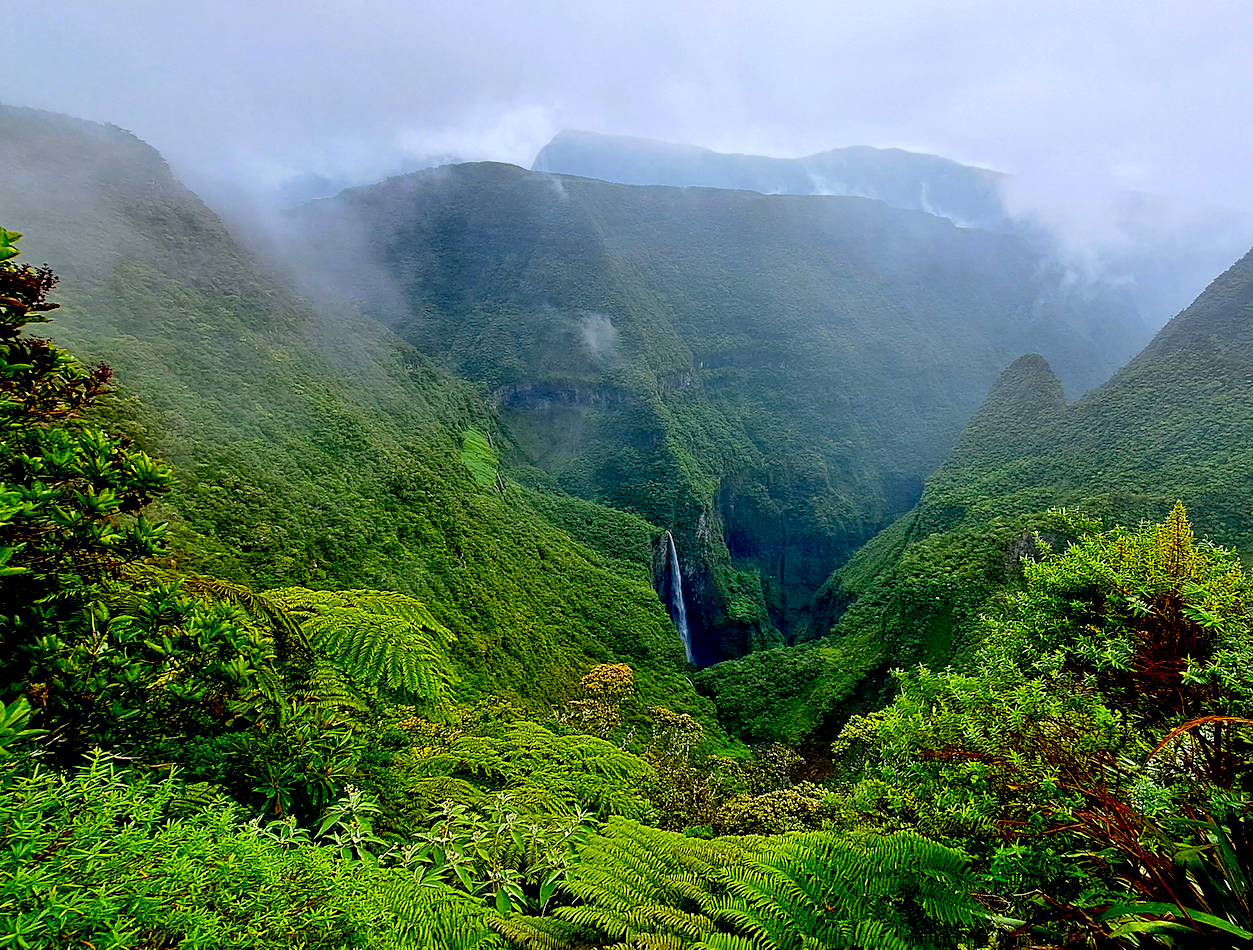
(549, 888)
(7, 241)
(1174, 910)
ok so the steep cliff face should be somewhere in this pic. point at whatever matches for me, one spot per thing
(769, 377)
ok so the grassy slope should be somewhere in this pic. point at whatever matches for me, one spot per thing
(294, 471)
(1175, 424)
(770, 376)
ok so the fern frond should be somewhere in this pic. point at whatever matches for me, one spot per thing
(641, 887)
(427, 917)
(721, 941)
(545, 772)
(285, 630)
(536, 934)
(325, 685)
(380, 637)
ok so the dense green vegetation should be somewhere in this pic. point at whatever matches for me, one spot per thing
(1174, 424)
(270, 703)
(1095, 758)
(769, 377)
(339, 669)
(290, 767)
(322, 452)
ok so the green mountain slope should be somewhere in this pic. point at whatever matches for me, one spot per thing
(354, 469)
(1161, 251)
(771, 377)
(1175, 424)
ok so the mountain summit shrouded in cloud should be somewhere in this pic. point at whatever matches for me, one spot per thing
(1162, 251)
(1129, 96)
(660, 546)
(966, 195)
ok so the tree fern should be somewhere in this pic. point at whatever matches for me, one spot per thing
(429, 917)
(638, 887)
(326, 685)
(831, 888)
(543, 771)
(383, 638)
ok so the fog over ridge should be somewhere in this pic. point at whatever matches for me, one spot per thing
(267, 103)
(1149, 96)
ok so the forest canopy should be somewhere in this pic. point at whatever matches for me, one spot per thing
(187, 760)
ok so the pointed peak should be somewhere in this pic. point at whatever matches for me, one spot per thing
(1027, 386)
(1027, 396)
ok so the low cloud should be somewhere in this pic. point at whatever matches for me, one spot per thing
(1162, 251)
(1158, 96)
(599, 336)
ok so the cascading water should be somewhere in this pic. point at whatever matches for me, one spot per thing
(678, 610)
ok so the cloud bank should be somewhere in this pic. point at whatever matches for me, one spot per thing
(1150, 96)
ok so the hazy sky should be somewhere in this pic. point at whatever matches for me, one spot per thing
(1147, 95)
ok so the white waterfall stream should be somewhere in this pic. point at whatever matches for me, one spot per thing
(678, 609)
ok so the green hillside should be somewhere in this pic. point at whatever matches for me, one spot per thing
(393, 675)
(324, 453)
(770, 377)
(1160, 251)
(1175, 424)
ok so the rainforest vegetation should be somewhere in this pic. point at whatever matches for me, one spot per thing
(304, 642)
(769, 377)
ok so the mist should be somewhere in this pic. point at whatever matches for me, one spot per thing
(1117, 124)
(1142, 96)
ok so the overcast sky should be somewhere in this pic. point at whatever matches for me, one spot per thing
(1147, 95)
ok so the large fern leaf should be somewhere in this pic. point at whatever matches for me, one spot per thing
(426, 917)
(643, 888)
(545, 772)
(382, 638)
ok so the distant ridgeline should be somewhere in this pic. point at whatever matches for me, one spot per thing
(967, 195)
(771, 378)
(1175, 424)
(323, 453)
(1161, 251)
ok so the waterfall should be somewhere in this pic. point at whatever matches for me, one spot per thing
(678, 610)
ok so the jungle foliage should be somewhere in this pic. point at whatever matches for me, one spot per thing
(457, 715)
(310, 448)
(1095, 761)
(770, 377)
(313, 742)
(1174, 424)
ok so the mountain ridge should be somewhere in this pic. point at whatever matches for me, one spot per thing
(1175, 424)
(911, 180)
(1162, 251)
(290, 471)
(716, 361)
